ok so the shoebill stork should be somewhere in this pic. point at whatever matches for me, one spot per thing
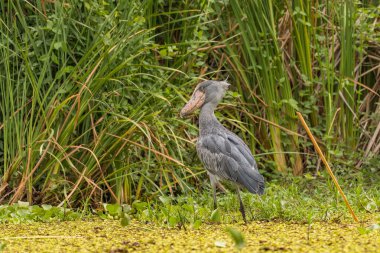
(224, 155)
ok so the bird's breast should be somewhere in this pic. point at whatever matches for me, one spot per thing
(210, 160)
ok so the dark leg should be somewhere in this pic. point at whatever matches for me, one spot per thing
(242, 210)
(214, 196)
(213, 181)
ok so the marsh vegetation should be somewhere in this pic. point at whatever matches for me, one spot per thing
(89, 123)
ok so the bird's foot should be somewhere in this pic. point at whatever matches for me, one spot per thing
(243, 214)
(245, 221)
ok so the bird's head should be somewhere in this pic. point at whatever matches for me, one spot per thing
(205, 92)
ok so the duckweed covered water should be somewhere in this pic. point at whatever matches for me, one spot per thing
(110, 236)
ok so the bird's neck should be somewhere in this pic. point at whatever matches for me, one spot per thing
(207, 119)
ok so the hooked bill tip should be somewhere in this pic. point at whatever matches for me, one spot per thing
(182, 114)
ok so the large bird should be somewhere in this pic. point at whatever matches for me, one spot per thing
(224, 155)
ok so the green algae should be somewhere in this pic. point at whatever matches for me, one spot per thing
(259, 236)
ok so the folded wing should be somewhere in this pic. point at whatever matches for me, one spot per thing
(227, 156)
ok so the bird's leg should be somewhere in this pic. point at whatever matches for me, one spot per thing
(214, 196)
(242, 210)
(213, 181)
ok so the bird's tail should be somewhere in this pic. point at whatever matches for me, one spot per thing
(255, 184)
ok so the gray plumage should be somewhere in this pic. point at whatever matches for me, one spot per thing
(223, 153)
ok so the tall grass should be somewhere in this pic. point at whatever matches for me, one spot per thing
(347, 89)
(90, 91)
(258, 65)
(85, 105)
(304, 56)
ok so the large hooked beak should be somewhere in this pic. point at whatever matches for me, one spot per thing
(195, 102)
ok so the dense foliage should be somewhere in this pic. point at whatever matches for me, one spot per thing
(90, 92)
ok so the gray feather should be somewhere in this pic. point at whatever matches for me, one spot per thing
(229, 158)
(222, 152)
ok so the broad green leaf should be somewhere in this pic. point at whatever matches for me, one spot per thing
(197, 224)
(215, 215)
(173, 220)
(114, 209)
(237, 237)
(125, 221)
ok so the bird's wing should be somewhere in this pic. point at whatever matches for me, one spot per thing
(225, 156)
